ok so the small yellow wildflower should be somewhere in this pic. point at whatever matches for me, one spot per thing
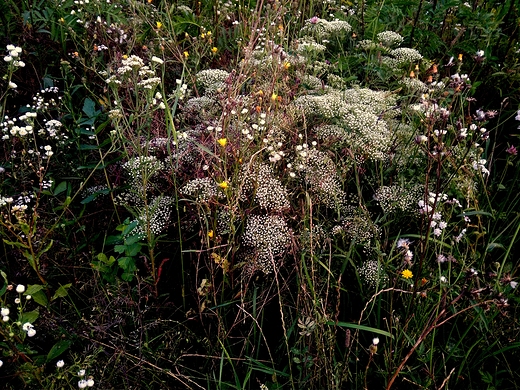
(208, 33)
(287, 65)
(150, 1)
(159, 24)
(222, 142)
(223, 185)
(214, 50)
(210, 234)
(460, 57)
(412, 74)
(274, 96)
(61, 20)
(407, 274)
(186, 54)
(203, 35)
(125, 56)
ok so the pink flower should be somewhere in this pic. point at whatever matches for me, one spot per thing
(512, 150)
(314, 20)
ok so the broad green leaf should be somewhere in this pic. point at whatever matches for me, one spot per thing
(40, 298)
(62, 291)
(33, 289)
(29, 316)
(57, 349)
(127, 264)
(60, 188)
(133, 250)
(89, 107)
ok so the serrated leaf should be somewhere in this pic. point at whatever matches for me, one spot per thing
(127, 264)
(133, 250)
(120, 248)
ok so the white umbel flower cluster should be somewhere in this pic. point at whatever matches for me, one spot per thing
(323, 29)
(202, 189)
(269, 237)
(390, 38)
(266, 189)
(212, 80)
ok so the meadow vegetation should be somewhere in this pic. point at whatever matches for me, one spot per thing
(264, 194)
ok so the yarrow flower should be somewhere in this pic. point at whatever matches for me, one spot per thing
(407, 274)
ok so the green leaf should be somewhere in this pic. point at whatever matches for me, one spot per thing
(16, 244)
(469, 213)
(360, 327)
(4, 287)
(60, 188)
(61, 291)
(36, 291)
(132, 239)
(133, 250)
(33, 289)
(88, 147)
(40, 298)
(127, 263)
(120, 248)
(127, 277)
(57, 349)
(89, 107)
(47, 247)
(29, 316)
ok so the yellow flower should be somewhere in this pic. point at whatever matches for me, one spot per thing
(61, 20)
(407, 274)
(214, 50)
(223, 185)
(125, 56)
(222, 142)
(210, 234)
(186, 54)
(274, 96)
(159, 24)
(460, 57)
(208, 33)
(287, 65)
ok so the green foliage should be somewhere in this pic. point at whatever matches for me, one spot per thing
(303, 194)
